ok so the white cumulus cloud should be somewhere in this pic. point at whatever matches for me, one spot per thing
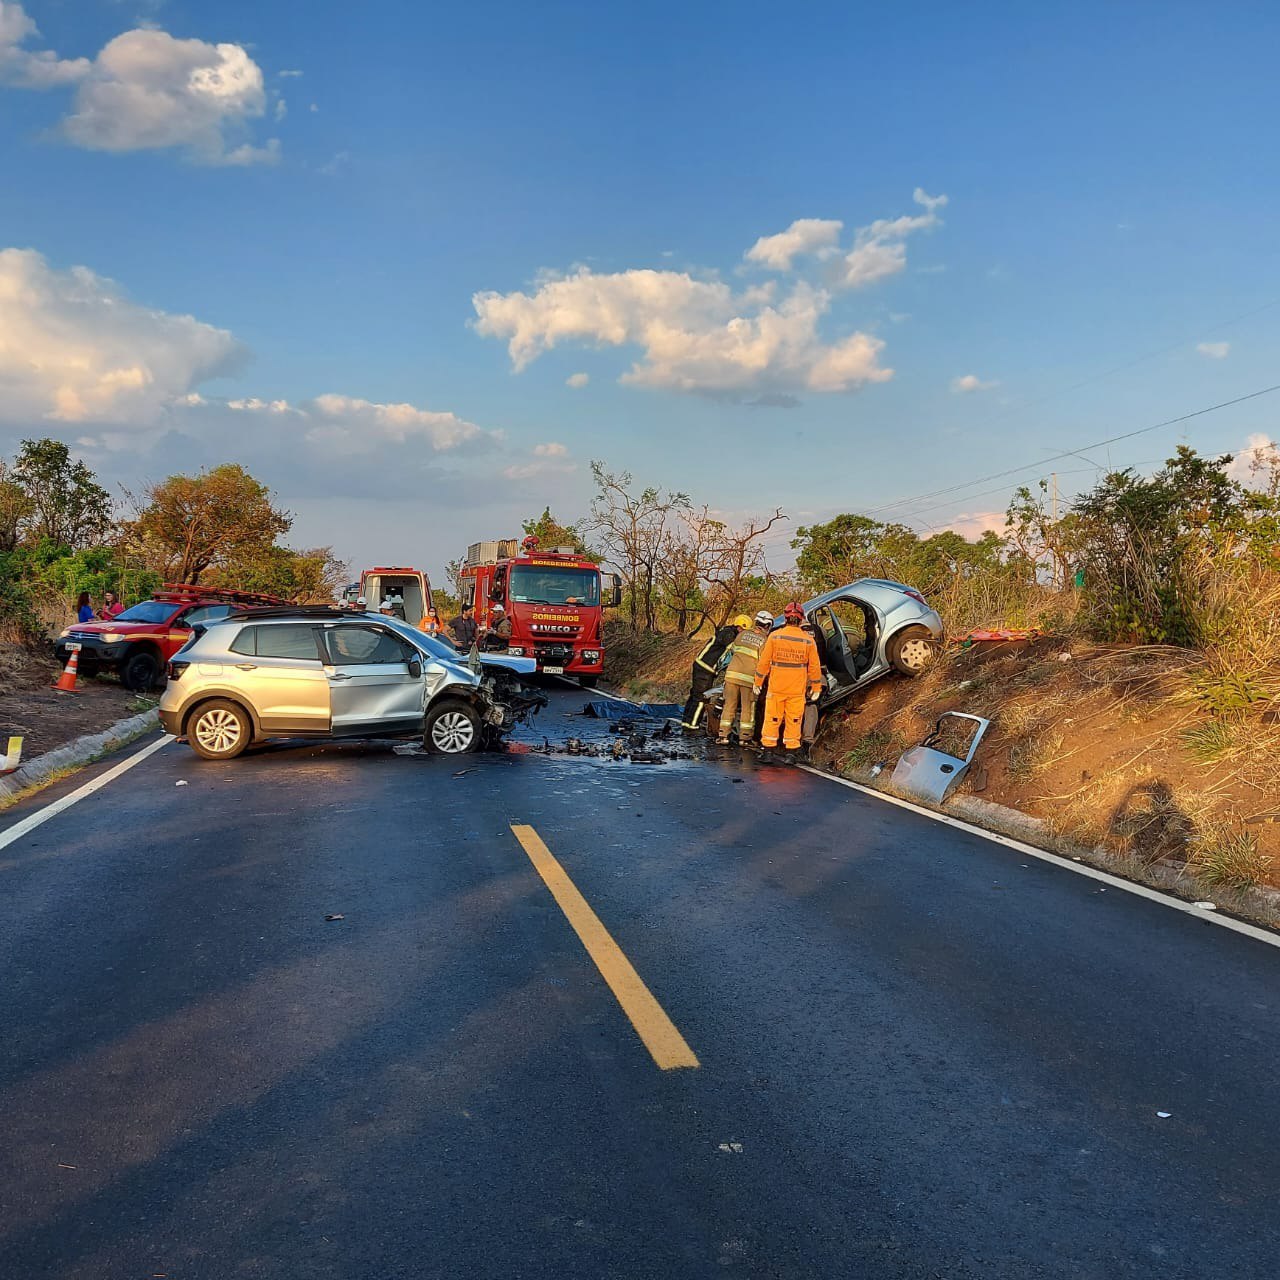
(879, 249)
(339, 418)
(971, 382)
(552, 449)
(1214, 350)
(24, 68)
(576, 380)
(75, 348)
(696, 335)
(804, 236)
(147, 91)
(1253, 465)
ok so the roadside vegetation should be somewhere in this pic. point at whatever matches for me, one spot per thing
(1142, 717)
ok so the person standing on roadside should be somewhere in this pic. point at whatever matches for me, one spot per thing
(740, 677)
(497, 634)
(464, 628)
(703, 675)
(789, 661)
(430, 622)
(112, 608)
(84, 610)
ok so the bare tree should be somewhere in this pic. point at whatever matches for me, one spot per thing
(738, 561)
(632, 529)
(689, 551)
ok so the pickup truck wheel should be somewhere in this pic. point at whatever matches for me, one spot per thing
(912, 649)
(140, 672)
(219, 730)
(452, 728)
(588, 682)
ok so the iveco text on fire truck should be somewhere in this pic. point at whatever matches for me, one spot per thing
(555, 600)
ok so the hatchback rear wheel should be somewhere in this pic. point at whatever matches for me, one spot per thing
(452, 728)
(912, 649)
(219, 730)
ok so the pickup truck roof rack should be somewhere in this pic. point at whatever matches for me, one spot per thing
(184, 592)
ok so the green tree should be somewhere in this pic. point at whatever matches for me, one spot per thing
(551, 533)
(66, 504)
(16, 508)
(190, 524)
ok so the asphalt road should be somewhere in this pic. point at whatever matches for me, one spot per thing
(921, 1055)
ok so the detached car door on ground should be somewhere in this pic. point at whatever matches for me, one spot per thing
(289, 686)
(374, 679)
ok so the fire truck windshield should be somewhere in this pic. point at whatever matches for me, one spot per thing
(552, 585)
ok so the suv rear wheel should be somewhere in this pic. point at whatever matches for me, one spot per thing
(452, 728)
(219, 730)
(912, 649)
(141, 671)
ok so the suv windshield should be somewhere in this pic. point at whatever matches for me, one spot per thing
(148, 611)
(555, 586)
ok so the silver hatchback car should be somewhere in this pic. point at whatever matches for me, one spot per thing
(326, 673)
(863, 631)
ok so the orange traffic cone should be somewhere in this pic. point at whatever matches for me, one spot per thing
(67, 680)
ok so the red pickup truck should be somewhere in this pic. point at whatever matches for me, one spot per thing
(140, 641)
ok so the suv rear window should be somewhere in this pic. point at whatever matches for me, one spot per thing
(284, 640)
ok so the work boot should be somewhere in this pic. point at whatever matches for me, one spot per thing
(792, 756)
(768, 756)
(722, 742)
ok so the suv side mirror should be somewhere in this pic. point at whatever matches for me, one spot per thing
(415, 668)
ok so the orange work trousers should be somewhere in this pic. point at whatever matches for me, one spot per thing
(782, 711)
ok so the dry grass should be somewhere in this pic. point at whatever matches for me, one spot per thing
(1227, 857)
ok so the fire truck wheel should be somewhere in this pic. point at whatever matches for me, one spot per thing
(219, 730)
(141, 672)
(452, 728)
(589, 682)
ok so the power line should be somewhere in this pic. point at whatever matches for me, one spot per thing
(1069, 453)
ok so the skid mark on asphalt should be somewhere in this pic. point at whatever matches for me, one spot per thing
(666, 1045)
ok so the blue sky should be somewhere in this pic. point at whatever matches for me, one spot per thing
(1109, 174)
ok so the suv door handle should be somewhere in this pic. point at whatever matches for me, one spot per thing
(246, 666)
(339, 675)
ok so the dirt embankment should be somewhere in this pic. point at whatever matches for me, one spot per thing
(648, 668)
(44, 718)
(1107, 743)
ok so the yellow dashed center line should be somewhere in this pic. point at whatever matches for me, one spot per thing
(664, 1042)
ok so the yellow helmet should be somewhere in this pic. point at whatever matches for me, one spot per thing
(742, 620)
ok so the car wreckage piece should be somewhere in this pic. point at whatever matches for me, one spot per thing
(930, 774)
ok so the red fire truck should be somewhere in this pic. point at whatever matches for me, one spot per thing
(555, 600)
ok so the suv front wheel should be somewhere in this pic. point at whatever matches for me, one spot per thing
(452, 728)
(219, 730)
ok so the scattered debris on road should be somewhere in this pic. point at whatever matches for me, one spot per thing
(335, 916)
(182, 782)
(734, 1148)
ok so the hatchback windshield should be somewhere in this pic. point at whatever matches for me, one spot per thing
(555, 586)
(147, 611)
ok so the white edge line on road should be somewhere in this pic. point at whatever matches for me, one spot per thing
(1080, 868)
(29, 824)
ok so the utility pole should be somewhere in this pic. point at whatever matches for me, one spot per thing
(1055, 497)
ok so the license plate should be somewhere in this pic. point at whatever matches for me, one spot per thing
(554, 671)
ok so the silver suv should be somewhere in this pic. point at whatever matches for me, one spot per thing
(321, 672)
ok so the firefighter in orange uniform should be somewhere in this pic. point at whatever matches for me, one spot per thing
(789, 661)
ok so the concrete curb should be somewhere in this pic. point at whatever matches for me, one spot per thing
(80, 751)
